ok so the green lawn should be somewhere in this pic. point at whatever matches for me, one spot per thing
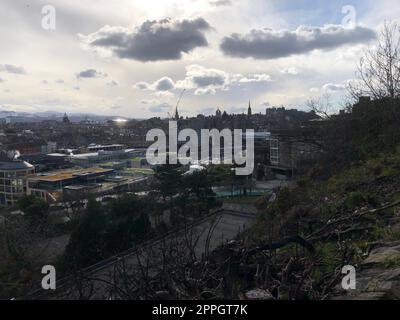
(107, 164)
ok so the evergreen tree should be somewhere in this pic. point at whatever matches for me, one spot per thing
(87, 243)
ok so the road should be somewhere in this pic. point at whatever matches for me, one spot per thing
(206, 235)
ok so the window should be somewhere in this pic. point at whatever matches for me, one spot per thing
(274, 152)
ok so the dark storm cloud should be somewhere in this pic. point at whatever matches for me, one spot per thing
(271, 44)
(91, 73)
(12, 69)
(153, 40)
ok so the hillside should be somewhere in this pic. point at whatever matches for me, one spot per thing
(345, 211)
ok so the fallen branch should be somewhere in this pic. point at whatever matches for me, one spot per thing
(283, 243)
(359, 215)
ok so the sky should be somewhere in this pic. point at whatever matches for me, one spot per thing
(134, 58)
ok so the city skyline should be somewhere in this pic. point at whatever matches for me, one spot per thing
(134, 58)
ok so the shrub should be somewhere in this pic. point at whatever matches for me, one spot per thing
(354, 200)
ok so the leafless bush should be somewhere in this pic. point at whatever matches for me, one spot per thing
(378, 72)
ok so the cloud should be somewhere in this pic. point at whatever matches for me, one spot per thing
(272, 44)
(202, 80)
(164, 84)
(164, 94)
(147, 102)
(142, 85)
(161, 85)
(156, 106)
(332, 87)
(257, 77)
(153, 41)
(291, 70)
(160, 107)
(9, 68)
(208, 81)
(18, 107)
(112, 83)
(91, 73)
(219, 3)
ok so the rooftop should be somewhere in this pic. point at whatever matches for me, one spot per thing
(65, 175)
(84, 155)
(15, 165)
(97, 146)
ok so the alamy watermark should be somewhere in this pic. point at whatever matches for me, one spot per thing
(349, 280)
(49, 17)
(233, 149)
(350, 16)
(49, 280)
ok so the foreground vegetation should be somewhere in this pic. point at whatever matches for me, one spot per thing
(95, 230)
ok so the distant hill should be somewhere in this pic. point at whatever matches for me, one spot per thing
(55, 115)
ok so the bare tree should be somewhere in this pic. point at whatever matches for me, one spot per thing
(322, 106)
(378, 72)
(74, 205)
(23, 252)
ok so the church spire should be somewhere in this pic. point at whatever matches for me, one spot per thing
(249, 110)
